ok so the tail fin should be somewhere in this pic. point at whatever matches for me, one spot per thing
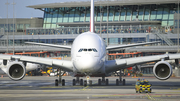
(92, 17)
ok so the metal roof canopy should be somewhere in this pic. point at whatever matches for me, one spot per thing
(102, 3)
(109, 23)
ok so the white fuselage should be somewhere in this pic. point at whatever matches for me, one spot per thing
(88, 53)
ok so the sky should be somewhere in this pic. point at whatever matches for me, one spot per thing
(21, 11)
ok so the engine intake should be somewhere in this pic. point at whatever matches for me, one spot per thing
(16, 70)
(162, 70)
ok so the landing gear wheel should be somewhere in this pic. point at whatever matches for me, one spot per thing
(81, 82)
(74, 82)
(99, 82)
(117, 82)
(124, 81)
(85, 83)
(90, 82)
(107, 82)
(63, 82)
(56, 82)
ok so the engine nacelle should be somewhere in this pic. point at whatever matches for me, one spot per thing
(16, 70)
(162, 70)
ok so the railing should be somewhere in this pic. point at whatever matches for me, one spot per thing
(98, 30)
(164, 38)
(1, 36)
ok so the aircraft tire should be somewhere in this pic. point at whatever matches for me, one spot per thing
(63, 82)
(90, 82)
(81, 82)
(107, 82)
(85, 83)
(99, 82)
(117, 82)
(74, 82)
(56, 82)
(124, 82)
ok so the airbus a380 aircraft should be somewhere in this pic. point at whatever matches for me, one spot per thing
(88, 54)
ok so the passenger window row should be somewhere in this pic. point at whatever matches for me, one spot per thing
(89, 50)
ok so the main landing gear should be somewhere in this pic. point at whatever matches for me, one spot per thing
(60, 81)
(103, 81)
(120, 79)
(86, 82)
(77, 81)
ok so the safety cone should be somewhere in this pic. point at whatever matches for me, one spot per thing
(134, 76)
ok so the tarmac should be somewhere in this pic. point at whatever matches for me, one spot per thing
(42, 88)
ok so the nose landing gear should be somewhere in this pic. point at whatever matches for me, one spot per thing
(87, 82)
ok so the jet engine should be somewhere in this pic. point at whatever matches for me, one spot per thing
(162, 70)
(16, 70)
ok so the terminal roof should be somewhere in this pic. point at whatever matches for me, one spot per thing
(104, 3)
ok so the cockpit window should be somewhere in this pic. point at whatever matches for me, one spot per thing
(94, 50)
(80, 50)
(89, 50)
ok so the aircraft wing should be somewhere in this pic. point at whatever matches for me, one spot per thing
(130, 45)
(114, 65)
(50, 45)
(63, 64)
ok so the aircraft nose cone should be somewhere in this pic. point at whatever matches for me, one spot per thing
(86, 63)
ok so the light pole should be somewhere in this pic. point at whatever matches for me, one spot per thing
(178, 27)
(13, 25)
(7, 26)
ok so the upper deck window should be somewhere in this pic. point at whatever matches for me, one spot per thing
(94, 50)
(80, 50)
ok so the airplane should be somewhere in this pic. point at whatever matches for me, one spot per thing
(88, 58)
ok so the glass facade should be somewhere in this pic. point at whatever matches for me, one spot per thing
(111, 41)
(162, 12)
(7, 27)
(104, 30)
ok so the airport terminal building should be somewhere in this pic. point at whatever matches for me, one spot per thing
(117, 21)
